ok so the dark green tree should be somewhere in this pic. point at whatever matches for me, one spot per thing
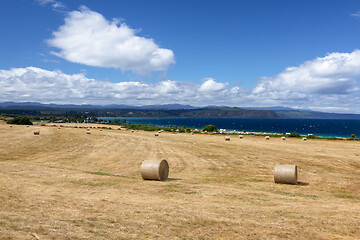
(20, 120)
(210, 128)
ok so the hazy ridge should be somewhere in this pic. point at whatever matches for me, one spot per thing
(167, 110)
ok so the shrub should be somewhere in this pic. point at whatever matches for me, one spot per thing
(294, 134)
(20, 120)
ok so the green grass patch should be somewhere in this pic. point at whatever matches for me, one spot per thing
(101, 173)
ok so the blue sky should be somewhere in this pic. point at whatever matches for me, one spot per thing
(301, 54)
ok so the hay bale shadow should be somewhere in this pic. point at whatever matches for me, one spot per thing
(173, 179)
(303, 183)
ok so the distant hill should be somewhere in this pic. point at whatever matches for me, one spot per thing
(293, 114)
(277, 108)
(231, 112)
(112, 106)
(170, 110)
(167, 107)
(167, 110)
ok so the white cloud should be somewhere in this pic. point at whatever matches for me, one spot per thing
(35, 84)
(88, 38)
(56, 5)
(210, 85)
(336, 73)
(325, 84)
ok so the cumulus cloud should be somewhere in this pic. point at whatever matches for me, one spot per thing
(88, 38)
(210, 85)
(336, 73)
(39, 85)
(36, 84)
(329, 83)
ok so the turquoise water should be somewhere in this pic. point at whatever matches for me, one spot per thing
(325, 128)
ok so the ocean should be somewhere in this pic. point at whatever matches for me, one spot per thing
(317, 127)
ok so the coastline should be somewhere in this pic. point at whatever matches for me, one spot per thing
(329, 128)
(154, 128)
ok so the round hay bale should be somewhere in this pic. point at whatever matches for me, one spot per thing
(192, 133)
(241, 136)
(10, 126)
(27, 125)
(36, 132)
(227, 138)
(132, 130)
(88, 132)
(304, 139)
(283, 138)
(155, 170)
(100, 130)
(267, 137)
(285, 173)
(159, 131)
(156, 134)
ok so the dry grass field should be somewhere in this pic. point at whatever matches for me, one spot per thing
(66, 184)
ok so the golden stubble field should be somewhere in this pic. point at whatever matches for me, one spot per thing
(66, 184)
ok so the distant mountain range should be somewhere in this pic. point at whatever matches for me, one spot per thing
(277, 108)
(168, 110)
(112, 106)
